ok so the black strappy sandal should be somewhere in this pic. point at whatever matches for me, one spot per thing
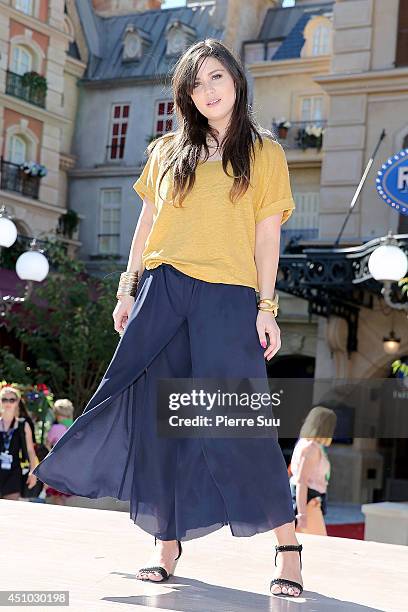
(283, 581)
(161, 570)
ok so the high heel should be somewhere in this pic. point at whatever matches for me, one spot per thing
(284, 581)
(161, 570)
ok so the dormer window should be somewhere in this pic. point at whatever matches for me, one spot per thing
(134, 42)
(179, 36)
(318, 36)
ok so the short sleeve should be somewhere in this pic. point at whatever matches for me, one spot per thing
(145, 186)
(275, 194)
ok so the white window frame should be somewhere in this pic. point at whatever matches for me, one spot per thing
(106, 206)
(18, 53)
(321, 40)
(17, 149)
(315, 111)
(25, 6)
(166, 117)
(305, 219)
(120, 121)
(306, 215)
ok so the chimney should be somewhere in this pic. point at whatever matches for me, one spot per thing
(241, 19)
(110, 8)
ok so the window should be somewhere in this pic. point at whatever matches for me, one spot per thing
(119, 126)
(25, 6)
(311, 108)
(21, 60)
(164, 117)
(109, 232)
(304, 223)
(320, 41)
(401, 58)
(17, 150)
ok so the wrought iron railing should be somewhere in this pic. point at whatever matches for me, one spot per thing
(296, 136)
(114, 152)
(16, 88)
(335, 281)
(14, 179)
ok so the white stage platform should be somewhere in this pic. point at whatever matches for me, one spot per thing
(94, 554)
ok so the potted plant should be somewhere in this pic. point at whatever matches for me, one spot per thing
(31, 168)
(283, 127)
(310, 136)
(36, 82)
(68, 223)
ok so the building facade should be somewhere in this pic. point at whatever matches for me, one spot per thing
(126, 101)
(39, 67)
(329, 76)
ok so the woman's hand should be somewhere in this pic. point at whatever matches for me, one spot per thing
(31, 480)
(122, 312)
(266, 323)
(301, 521)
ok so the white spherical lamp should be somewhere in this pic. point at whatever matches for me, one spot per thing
(8, 232)
(388, 263)
(33, 266)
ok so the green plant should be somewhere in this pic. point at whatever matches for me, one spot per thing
(68, 223)
(403, 283)
(69, 337)
(35, 81)
(399, 367)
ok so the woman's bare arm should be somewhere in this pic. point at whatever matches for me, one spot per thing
(267, 244)
(143, 227)
(309, 459)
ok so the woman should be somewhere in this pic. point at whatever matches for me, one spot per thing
(11, 477)
(63, 412)
(310, 468)
(201, 257)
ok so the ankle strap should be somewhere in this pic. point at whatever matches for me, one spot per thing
(289, 547)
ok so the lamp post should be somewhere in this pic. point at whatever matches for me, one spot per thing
(389, 264)
(30, 266)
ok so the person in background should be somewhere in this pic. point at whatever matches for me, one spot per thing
(63, 412)
(23, 413)
(310, 469)
(11, 475)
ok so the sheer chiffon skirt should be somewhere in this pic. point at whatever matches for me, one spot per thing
(178, 488)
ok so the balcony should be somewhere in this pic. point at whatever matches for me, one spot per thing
(16, 88)
(14, 179)
(297, 136)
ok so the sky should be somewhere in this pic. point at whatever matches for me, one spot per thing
(173, 3)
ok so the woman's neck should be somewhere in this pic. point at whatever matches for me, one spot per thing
(7, 419)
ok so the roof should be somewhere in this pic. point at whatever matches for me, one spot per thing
(105, 37)
(288, 24)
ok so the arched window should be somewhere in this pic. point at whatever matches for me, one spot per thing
(21, 60)
(405, 142)
(320, 41)
(17, 149)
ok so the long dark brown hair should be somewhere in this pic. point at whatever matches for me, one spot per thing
(182, 149)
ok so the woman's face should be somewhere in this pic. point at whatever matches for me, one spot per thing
(9, 403)
(214, 82)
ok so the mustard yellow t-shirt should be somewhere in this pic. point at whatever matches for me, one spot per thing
(212, 238)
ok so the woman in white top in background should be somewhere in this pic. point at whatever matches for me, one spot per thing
(310, 468)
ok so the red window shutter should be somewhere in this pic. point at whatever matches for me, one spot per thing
(401, 56)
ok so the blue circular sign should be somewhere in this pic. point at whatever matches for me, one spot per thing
(392, 182)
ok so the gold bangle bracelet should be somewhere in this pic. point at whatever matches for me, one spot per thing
(127, 284)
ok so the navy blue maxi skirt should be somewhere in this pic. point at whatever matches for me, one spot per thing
(178, 488)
